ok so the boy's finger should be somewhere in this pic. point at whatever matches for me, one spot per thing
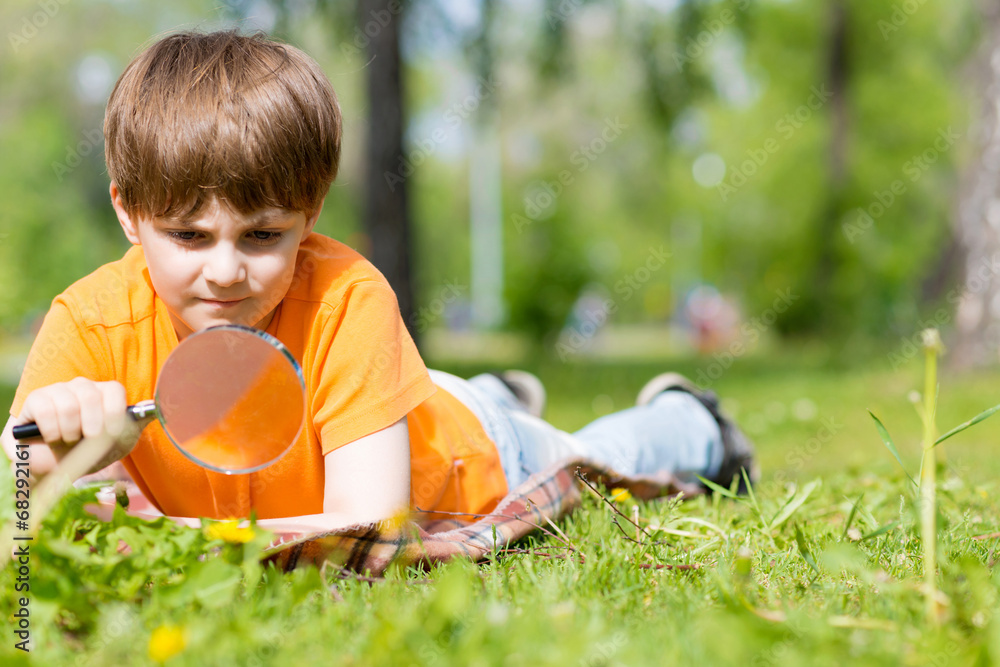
(91, 407)
(41, 409)
(67, 408)
(115, 404)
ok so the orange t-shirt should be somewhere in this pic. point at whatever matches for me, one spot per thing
(341, 321)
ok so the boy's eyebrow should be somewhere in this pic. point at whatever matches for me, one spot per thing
(269, 217)
(261, 219)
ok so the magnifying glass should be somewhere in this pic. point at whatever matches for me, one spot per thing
(230, 398)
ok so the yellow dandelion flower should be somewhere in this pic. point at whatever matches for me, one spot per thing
(620, 495)
(229, 531)
(166, 642)
(397, 520)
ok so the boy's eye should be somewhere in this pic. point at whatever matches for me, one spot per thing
(264, 238)
(182, 236)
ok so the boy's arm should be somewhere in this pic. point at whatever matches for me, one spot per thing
(366, 480)
(369, 479)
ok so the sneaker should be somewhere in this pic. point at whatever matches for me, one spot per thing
(737, 450)
(527, 388)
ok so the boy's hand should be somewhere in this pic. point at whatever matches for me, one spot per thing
(66, 412)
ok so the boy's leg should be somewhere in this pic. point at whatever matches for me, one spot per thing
(527, 388)
(673, 432)
(526, 444)
(737, 451)
(497, 390)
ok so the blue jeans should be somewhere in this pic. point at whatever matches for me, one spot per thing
(673, 433)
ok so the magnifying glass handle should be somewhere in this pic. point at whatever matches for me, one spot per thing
(141, 411)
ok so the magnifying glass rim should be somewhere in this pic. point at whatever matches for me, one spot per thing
(278, 345)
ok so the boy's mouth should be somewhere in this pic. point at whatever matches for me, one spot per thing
(228, 303)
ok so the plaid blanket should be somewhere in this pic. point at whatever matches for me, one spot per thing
(432, 538)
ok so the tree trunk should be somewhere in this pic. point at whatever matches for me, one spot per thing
(833, 211)
(977, 323)
(485, 185)
(386, 211)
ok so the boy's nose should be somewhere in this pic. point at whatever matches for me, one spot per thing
(225, 267)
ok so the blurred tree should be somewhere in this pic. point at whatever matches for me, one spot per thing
(485, 183)
(816, 316)
(859, 110)
(671, 84)
(693, 83)
(977, 220)
(386, 216)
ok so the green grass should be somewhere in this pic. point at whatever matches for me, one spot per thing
(781, 579)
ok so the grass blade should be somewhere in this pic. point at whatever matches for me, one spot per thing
(850, 517)
(881, 531)
(800, 540)
(884, 434)
(718, 489)
(972, 422)
(752, 496)
(701, 522)
(794, 504)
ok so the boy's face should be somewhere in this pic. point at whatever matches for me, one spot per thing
(219, 267)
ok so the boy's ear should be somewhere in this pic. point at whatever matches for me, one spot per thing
(129, 226)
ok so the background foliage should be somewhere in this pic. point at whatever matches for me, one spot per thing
(683, 80)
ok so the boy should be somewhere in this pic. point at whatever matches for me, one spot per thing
(221, 148)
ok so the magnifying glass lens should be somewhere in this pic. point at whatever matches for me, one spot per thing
(231, 399)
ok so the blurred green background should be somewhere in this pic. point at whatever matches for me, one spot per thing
(693, 92)
(675, 182)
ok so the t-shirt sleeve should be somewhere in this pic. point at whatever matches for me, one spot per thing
(63, 349)
(367, 373)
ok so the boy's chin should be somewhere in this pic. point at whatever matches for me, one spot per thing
(187, 326)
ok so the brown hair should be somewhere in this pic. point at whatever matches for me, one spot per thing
(222, 115)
